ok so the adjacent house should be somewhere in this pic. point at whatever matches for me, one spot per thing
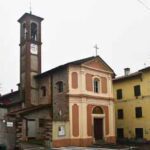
(132, 94)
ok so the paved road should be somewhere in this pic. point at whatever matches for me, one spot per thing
(82, 148)
(76, 148)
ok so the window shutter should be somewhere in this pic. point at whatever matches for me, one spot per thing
(119, 94)
(120, 114)
(137, 90)
(138, 112)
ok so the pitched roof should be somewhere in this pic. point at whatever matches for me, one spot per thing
(77, 62)
(125, 77)
(132, 75)
(10, 99)
(30, 15)
(9, 94)
(145, 69)
(28, 109)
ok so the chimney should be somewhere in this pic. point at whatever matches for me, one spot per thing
(126, 71)
(11, 90)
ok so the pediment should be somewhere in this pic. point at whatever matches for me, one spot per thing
(98, 63)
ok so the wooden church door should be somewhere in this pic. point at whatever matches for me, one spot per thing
(98, 128)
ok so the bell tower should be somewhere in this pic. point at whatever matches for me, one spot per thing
(30, 57)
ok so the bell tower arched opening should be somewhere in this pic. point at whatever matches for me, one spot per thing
(24, 30)
(33, 31)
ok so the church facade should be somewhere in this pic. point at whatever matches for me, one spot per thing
(71, 104)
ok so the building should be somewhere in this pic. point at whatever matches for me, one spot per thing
(71, 104)
(8, 102)
(132, 93)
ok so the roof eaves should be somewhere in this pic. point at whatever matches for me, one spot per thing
(136, 74)
(10, 94)
(28, 14)
(107, 66)
(28, 110)
(14, 103)
(77, 62)
(145, 69)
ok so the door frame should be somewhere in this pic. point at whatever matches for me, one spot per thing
(27, 128)
(98, 116)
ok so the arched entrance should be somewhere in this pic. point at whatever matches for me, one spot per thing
(98, 123)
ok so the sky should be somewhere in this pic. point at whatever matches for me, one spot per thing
(71, 28)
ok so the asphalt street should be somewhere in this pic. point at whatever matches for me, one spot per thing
(76, 148)
(87, 148)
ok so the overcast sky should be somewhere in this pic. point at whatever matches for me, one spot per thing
(71, 28)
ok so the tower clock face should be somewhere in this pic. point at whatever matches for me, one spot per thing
(34, 49)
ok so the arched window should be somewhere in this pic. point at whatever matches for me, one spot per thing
(96, 85)
(97, 110)
(60, 86)
(34, 31)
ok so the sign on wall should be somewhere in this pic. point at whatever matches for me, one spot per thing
(61, 130)
(9, 124)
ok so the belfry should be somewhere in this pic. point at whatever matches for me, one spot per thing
(30, 57)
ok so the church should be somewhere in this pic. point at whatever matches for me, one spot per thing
(69, 105)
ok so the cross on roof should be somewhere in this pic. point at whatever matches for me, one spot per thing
(30, 7)
(96, 48)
